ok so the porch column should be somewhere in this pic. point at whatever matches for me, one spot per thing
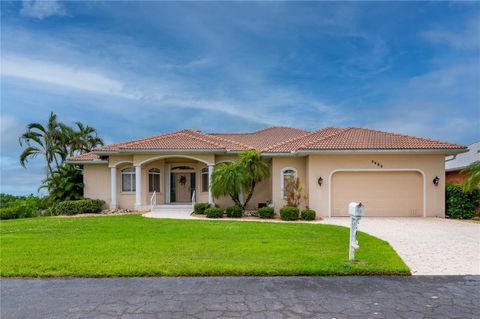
(138, 187)
(167, 183)
(113, 187)
(210, 196)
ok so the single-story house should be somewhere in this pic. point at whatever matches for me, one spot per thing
(454, 164)
(392, 174)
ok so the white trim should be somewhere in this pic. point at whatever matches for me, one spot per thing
(113, 187)
(159, 177)
(282, 181)
(138, 186)
(210, 195)
(176, 155)
(378, 170)
(121, 162)
(167, 182)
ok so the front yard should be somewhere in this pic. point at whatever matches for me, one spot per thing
(132, 245)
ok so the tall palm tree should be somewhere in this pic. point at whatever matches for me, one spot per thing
(473, 180)
(41, 140)
(87, 138)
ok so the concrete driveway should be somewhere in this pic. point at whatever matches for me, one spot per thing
(429, 246)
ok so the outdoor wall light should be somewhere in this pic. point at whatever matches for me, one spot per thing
(320, 181)
(436, 180)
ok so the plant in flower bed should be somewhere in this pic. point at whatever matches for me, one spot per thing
(234, 211)
(214, 212)
(289, 213)
(461, 203)
(266, 212)
(74, 207)
(308, 214)
(200, 208)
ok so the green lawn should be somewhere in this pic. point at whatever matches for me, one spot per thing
(132, 245)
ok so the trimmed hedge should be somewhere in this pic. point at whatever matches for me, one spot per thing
(289, 213)
(308, 214)
(266, 212)
(234, 211)
(460, 204)
(81, 206)
(214, 212)
(200, 208)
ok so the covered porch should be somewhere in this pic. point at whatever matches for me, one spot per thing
(145, 181)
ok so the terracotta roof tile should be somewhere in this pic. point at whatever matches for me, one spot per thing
(264, 138)
(276, 140)
(84, 157)
(361, 138)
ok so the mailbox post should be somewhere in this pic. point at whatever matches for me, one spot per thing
(356, 211)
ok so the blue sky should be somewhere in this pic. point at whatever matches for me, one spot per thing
(133, 69)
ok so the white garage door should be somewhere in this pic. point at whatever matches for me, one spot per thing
(383, 193)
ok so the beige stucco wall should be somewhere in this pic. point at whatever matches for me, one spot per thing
(96, 180)
(325, 165)
(280, 163)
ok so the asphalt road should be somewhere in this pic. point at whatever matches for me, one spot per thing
(243, 297)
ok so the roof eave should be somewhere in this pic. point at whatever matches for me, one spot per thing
(81, 162)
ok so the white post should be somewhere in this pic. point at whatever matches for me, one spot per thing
(210, 196)
(167, 183)
(138, 187)
(113, 187)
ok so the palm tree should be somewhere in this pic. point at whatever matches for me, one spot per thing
(473, 180)
(227, 180)
(255, 168)
(41, 140)
(231, 179)
(88, 138)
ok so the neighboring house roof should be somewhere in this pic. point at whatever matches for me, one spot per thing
(274, 140)
(460, 161)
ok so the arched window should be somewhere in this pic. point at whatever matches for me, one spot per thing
(205, 179)
(288, 174)
(128, 179)
(153, 180)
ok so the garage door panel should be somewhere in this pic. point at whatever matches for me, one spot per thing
(383, 193)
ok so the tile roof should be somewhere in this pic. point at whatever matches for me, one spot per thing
(276, 140)
(355, 138)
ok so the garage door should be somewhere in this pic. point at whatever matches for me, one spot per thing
(383, 193)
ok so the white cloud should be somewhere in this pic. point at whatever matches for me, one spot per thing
(42, 9)
(467, 38)
(62, 75)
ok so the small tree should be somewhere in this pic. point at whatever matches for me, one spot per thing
(293, 192)
(240, 176)
(65, 183)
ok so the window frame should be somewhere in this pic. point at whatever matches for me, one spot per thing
(131, 172)
(155, 172)
(202, 173)
(282, 178)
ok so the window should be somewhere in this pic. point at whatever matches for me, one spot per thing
(205, 179)
(128, 179)
(154, 180)
(288, 174)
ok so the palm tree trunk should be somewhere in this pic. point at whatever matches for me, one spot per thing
(250, 194)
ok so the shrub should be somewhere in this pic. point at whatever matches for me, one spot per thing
(21, 207)
(308, 214)
(460, 204)
(214, 212)
(234, 211)
(289, 213)
(81, 206)
(200, 208)
(266, 212)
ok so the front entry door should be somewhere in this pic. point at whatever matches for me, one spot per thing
(182, 187)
